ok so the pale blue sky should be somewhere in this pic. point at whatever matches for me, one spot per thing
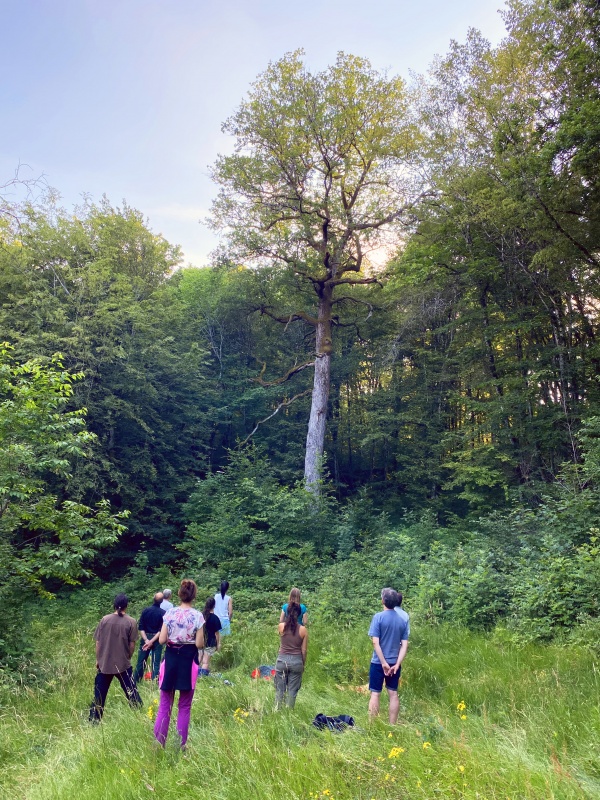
(127, 97)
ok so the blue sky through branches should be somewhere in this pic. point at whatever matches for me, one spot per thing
(126, 97)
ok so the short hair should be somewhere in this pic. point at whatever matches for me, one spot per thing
(167, 593)
(389, 597)
(158, 597)
(187, 591)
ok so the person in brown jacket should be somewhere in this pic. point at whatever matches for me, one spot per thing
(115, 637)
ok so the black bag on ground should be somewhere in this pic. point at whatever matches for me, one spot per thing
(336, 724)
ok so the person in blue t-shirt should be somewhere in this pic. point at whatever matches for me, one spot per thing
(294, 598)
(390, 643)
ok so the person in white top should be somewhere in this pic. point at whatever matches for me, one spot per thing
(402, 613)
(166, 603)
(224, 608)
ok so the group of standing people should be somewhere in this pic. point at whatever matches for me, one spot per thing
(389, 631)
(191, 638)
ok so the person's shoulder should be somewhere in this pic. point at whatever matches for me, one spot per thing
(376, 618)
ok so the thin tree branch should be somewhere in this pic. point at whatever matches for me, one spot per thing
(290, 373)
(290, 318)
(284, 404)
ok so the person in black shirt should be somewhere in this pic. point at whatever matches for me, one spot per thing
(212, 637)
(150, 625)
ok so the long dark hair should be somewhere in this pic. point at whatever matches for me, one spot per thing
(291, 619)
(121, 603)
(208, 608)
(224, 587)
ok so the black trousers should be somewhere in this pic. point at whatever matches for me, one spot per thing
(101, 686)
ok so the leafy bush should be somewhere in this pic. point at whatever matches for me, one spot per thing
(351, 588)
(464, 584)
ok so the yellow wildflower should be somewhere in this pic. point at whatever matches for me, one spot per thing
(390, 735)
(461, 706)
(463, 716)
(461, 768)
(395, 752)
(426, 745)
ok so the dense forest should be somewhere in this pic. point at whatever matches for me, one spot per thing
(390, 371)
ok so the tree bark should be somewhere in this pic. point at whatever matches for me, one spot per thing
(315, 438)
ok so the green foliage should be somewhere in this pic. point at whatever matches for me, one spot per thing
(351, 588)
(556, 586)
(41, 538)
(464, 584)
(243, 522)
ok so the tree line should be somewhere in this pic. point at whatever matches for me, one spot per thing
(402, 317)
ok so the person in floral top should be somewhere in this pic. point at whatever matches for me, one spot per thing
(183, 633)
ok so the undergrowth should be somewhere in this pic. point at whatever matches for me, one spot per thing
(479, 719)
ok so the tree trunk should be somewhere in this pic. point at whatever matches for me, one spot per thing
(315, 439)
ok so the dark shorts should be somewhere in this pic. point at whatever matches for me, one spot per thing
(377, 677)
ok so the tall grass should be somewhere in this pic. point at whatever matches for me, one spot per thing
(529, 728)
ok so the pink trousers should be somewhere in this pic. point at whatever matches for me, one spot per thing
(163, 715)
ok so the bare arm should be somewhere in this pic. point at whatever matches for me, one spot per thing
(304, 644)
(200, 638)
(379, 654)
(150, 642)
(282, 617)
(97, 654)
(305, 618)
(163, 635)
(401, 655)
(133, 635)
(218, 635)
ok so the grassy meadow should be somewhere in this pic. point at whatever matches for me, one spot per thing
(479, 719)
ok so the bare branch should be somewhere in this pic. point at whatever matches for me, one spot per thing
(284, 404)
(355, 300)
(354, 281)
(290, 373)
(290, 318)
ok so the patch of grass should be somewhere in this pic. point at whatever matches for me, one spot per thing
(528, 729)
